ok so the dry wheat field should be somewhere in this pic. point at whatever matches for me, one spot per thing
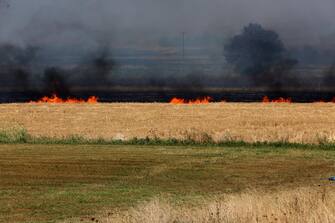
(300, 123)
(299, 205)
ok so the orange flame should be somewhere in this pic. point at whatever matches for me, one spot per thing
(266, 99)
(54, 99)
(205, 100)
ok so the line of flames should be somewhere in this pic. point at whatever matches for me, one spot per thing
(266, 99)
(54, 99)
(205, 100)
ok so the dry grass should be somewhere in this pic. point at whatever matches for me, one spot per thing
(300, 205)
(307, 123)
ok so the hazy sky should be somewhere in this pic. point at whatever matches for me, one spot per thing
(145, 21)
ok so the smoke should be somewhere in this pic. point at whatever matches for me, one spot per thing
(21, 70)
(15, 56)
(16, 63)
(145, 22)
(329, 77)
(95, 72)
(55, 82)
(4, 4)
(101, 67)
(64, 46)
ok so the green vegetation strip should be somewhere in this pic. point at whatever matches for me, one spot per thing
(21, 136)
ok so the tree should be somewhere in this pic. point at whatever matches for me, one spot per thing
(258, 53)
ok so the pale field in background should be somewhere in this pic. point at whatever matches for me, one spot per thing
(301, 123)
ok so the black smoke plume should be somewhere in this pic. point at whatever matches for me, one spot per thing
(329, 77)
(16, 65)
(100, 68)
(22, 71)
(55, 82)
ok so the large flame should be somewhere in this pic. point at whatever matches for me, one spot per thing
(204, 100)
(57, 100)
(266, 99)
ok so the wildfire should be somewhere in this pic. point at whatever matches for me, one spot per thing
(57, 100)
(204, 100)
(266, 99)
(54, 99)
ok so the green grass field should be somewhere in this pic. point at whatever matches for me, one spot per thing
(49, 183)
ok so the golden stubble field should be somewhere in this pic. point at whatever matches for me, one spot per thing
(301, 123)
(252, 207)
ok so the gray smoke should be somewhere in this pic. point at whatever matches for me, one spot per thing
(77, 39)
(144, 22)
(21, 70)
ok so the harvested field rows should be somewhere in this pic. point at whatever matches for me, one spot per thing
(301, 123)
